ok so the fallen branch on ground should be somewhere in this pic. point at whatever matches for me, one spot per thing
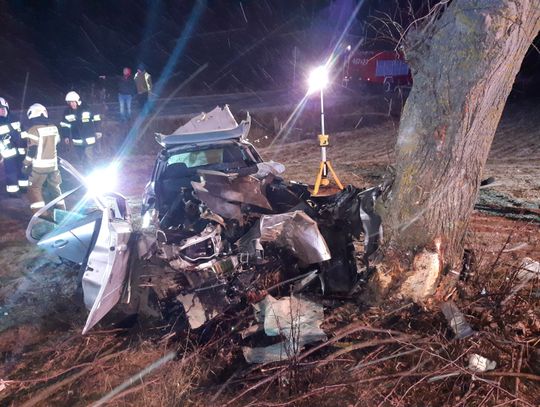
(363, 345)
(347, 330)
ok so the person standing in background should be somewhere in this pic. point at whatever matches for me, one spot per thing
(126, 90)
(143, 81)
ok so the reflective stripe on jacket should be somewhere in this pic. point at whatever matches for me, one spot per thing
(42, 141)
(79, 125)
(143, 82)
(11, 142)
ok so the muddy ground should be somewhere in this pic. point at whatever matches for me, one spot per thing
(41, 313)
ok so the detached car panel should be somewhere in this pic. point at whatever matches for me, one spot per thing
(107, 268)
(95, 236)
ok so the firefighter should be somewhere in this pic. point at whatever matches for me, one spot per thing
(79, 127)
(12, 150)
(41, 161)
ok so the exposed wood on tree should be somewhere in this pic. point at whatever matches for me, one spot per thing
(464, 65)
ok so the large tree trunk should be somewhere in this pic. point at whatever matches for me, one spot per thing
(464, 65)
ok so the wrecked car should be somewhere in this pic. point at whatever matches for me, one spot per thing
(218, 227)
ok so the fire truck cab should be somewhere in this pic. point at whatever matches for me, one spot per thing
(387, 69)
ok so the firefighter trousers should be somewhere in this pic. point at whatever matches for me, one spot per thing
(85, 157)
(44, 183)
(15, 179)
(22, 177)
(12, 170)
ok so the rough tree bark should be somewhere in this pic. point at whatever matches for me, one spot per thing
(464, 65)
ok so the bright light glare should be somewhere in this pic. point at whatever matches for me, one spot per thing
(318, 78)
(148, 218)
(102, 181)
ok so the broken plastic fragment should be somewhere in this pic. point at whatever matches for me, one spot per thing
(480, 364)
(197, 314)
(304, 282)
(296, 319)
(528, 270)
(456, 320)
(253, 329)
(271, 353)
(269, 167)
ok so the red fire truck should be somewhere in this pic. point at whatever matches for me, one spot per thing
(385, 68)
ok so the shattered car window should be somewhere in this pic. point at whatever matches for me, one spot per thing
(229, 154)
(59, 220)
(197, 158)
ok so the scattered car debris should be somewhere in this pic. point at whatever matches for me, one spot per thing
(269, 167)
(516, 247)
(219, 226)
(456, 320)
(480, 364)
(197, 314)
(528, 270)
(296, 232)
(294, 319)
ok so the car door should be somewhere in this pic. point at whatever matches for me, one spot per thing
(67, 234)
(106, 270)
(95, 235)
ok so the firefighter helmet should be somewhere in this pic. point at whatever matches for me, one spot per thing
(4, 103)
(37, 110)
(73, 97)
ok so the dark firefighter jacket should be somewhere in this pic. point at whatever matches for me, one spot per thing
(80, 126)
(11, 142)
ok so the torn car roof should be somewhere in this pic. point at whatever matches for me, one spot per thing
(218, 124)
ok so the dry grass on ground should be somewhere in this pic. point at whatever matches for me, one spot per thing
(395, 355)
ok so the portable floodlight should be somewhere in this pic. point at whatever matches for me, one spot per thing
(318, 80)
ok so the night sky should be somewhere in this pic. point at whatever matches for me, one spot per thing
(248, 45)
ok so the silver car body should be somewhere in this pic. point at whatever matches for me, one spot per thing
(97, 240)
